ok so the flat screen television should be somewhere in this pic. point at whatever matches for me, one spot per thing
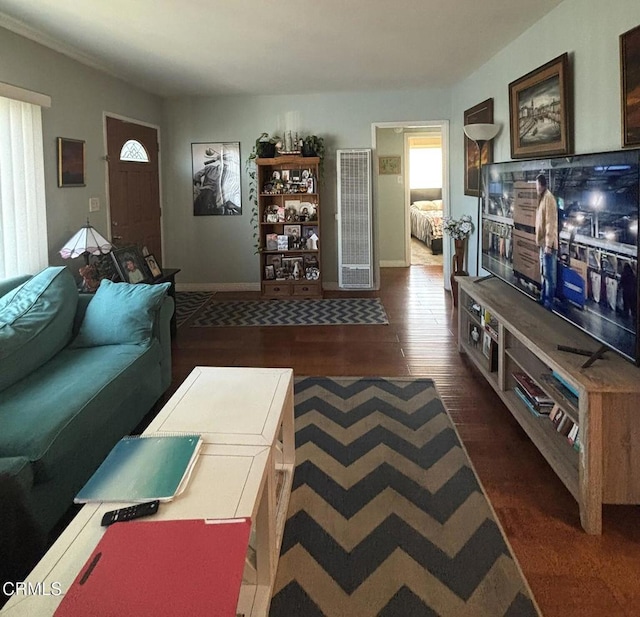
(598, 204)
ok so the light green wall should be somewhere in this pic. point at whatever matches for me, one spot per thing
(219, 250)
(80, 95)
(390, 196)
(589, 30)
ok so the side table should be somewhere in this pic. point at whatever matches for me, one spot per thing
(169, 276)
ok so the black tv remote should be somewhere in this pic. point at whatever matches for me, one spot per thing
(130, 512)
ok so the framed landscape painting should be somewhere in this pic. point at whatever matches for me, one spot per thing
(630, 68)
(70, 162)
(482, 113)
(540, 111)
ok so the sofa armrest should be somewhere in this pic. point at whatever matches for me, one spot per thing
(81, 309)
(162, 331)
(7, 285)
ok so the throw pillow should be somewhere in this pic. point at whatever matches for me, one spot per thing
(427, 206)
(120, 313)
(36, 319)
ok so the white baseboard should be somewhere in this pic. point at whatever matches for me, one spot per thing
(218, 287)
(394, 264)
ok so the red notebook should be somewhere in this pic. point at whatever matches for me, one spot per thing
(152, 568)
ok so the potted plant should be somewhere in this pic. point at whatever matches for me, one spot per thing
(459, 229)
(265, 146)
(312, 145)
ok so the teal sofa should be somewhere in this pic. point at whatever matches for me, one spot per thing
(77, 373)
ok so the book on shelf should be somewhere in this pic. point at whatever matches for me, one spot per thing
(573, 434)
(556, 415)
(143, 468)
(568, 395)
(565, 425)
(151, 568)
(563, 385)
(535, 393)
(525, 399)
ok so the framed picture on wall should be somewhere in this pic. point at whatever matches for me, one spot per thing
(390, 165)
(216, 178)
(70, 162)
(541, 111)
(630, 74)
(482, 113)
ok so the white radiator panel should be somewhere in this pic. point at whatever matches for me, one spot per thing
(355, 250)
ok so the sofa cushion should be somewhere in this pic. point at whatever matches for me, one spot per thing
(120, 313)
(18, 467)
(62, 407)
(36, 319)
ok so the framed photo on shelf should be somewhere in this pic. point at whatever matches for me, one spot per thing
(480, 113)
(309, 230)
(292, 230)
(474, 334)
(154, 268)
(216, 178)
(291, 264)
(629, 63)
(541, 111)
(70, 162)
(271, 242)
(130, 264)
(269, 272)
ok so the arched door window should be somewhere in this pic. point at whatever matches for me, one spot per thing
(134, 151)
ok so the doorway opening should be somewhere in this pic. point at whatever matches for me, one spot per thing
(392, 192)
(424, 177)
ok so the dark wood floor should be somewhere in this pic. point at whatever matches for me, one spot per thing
(570, 573)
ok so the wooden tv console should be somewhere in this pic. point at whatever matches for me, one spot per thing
(606, 467)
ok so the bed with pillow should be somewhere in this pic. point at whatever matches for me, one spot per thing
(426, 217)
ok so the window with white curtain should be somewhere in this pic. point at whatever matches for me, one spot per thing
(425, 162)
(23, 216)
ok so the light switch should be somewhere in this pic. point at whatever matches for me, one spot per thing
(399, 179)
(94, 204)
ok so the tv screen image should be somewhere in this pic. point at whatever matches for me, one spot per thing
(597, 198)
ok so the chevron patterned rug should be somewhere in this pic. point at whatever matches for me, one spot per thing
(302, 312)
(387, 517)
(188, 302)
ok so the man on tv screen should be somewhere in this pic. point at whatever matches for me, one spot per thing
(547, 240)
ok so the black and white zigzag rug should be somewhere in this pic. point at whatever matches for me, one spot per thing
(387, 517)
(188, 302)
(302, 312)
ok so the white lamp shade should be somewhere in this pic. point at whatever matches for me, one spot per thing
(86, 241)
(481, 132)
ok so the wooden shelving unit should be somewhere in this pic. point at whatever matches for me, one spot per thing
(606, 467)
(288, 189)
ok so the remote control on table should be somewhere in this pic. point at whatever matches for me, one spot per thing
(131, 512)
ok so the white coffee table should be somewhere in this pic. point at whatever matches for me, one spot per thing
(244, 469)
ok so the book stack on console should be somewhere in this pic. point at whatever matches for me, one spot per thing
(536, 400)
(565, 426)
(561, 386)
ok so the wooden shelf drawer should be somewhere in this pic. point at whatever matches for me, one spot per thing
(305, 288)
(276, 288)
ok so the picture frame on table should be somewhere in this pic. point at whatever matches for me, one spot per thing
(130, 265)
(630, 86)
(541, 111)
(482, 113)
(269, 272)
(152, 264)
(70, 162)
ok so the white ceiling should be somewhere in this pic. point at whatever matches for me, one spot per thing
(209, 47)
